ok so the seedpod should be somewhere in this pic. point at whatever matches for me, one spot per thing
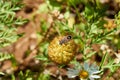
(62, 49)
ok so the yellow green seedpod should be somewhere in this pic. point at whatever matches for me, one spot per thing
(62, 49)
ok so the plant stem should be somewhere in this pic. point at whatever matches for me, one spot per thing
(103, 60)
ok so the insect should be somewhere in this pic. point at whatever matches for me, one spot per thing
(65, 39)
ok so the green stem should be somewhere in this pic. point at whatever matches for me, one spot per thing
(78, 13)
(116, 65)
(103, 60)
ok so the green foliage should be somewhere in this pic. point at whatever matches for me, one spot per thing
(8, 21)
(89, 28)
(111, 65)
(4, 56)
(117, 19)
(43, 53)
(8, 25)
(28, 75)
(44, 77)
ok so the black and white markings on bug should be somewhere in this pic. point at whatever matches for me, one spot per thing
(65, 39)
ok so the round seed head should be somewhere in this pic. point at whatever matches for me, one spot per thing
(64, 53)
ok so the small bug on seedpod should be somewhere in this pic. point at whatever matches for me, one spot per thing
(62, 49)
(65, 39)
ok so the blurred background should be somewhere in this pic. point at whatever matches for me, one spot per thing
(24, 57)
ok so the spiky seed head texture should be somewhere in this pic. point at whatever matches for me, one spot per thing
(61, 54)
